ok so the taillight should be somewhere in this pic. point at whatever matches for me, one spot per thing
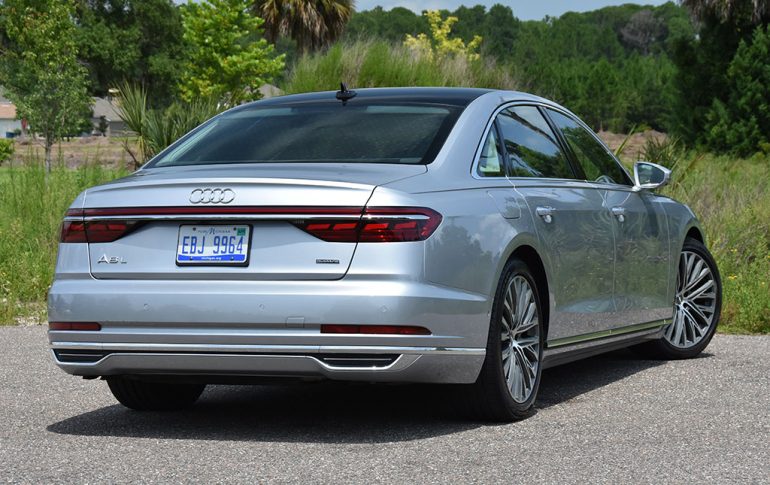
(107, 231)
(334, 224)
(375, 329)
(377, 224)
(75, 230)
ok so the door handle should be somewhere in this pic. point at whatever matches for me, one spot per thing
(619, 213)
(546, 213)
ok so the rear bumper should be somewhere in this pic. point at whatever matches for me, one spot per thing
(268, 329)
(382, 364)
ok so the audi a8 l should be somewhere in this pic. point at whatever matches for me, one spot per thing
(413, 235)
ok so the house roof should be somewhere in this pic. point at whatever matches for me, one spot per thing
(7, 111)
(107, 108)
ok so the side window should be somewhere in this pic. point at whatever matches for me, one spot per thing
(531, 144)
(491, 160)
(597, 163)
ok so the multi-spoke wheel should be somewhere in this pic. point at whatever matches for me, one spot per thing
(520, 339)
(697, 304)
(507, 386)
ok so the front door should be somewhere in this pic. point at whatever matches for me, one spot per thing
(638, 220)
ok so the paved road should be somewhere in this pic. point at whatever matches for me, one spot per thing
(610, 419)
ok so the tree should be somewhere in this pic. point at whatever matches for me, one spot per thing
(311, 23)
(228, 59)
(439, 44)
(742, 124)
(731, 11)
(39, 67)
(642, 30)
(137, 41)
(703, 60)
(501, 31)
(389, 25)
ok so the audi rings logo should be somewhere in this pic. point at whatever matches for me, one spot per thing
(212, 196)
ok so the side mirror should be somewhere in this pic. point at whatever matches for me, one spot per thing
(650, 176)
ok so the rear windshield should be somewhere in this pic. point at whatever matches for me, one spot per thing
(358, 132)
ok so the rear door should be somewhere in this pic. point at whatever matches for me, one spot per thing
(572, 222)
(638, 220)
(285, 219)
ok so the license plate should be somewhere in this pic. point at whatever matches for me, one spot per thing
(213, 245)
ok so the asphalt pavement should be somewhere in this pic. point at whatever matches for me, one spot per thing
(609, 419)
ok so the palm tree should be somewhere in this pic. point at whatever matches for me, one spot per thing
(759, 10)
(311, 23)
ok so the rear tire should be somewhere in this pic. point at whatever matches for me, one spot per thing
(697, 306)
(507, 387)
(154, 396)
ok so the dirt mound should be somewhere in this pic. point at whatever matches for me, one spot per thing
(635, 145)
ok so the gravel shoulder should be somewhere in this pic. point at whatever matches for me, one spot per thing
(609, 419)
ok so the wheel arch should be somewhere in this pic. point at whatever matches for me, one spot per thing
(696, 233)
(529, 256)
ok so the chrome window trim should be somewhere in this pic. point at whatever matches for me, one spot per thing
(564, 111)
(490, 123)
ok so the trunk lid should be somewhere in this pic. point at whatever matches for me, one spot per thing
(269, 199)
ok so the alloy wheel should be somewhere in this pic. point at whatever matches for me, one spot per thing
(695, 302)
(520, 339)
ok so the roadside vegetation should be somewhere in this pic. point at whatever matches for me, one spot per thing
(32, 204)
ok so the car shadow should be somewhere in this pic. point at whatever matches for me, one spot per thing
(333, 412)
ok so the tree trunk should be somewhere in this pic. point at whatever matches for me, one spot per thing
(48, 150)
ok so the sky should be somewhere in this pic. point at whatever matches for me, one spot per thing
(523, 9)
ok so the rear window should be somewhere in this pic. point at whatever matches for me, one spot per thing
(318, 132)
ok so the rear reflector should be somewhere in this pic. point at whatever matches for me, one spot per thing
(81, 326)
(376, 329)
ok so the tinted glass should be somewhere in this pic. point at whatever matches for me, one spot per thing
(491, 160)
(597, 163)
(531, 144)
(318, 132)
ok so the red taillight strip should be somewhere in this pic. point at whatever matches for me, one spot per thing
(79, 326)
(329, 223)
(375, 329)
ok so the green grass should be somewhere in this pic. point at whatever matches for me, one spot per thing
(32, 205)
(365, 64)
(731, 198)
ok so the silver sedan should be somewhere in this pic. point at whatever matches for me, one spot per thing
(434, 235)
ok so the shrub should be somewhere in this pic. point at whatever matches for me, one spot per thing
(156, 129)
(6, 149)
(664, 151)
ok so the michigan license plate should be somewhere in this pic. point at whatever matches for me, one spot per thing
(213, 244)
